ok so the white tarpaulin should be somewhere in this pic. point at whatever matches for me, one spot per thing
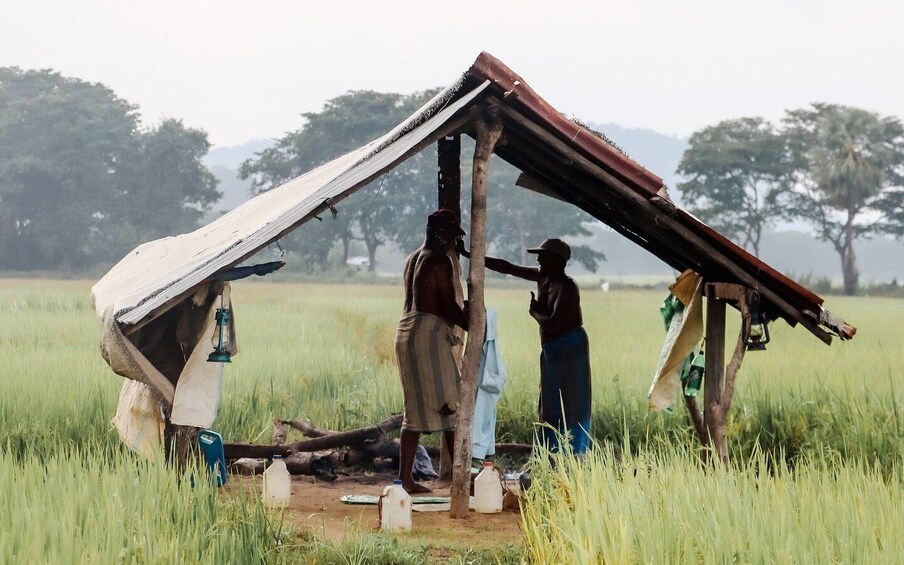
(168, 360)
(159, 271)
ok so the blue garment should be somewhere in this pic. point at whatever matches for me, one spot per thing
(491, 379)
(565, 390)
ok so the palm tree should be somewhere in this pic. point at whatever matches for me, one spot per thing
(849, 164)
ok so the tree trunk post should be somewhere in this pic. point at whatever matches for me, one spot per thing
(489, 129)
(713, 414)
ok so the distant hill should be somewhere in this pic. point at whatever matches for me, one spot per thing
(657, 152)
(224, 163)
(232, 157)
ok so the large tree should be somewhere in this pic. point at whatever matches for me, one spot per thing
(735, 170)
(849, 172)
(62, 143)
(80, 182)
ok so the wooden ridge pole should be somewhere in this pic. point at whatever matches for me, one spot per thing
(489, 130)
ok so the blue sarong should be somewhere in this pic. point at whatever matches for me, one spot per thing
(565, 390)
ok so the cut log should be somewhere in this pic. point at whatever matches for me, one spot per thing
(358, 437)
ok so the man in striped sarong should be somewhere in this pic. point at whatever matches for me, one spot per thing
(565, 352)
(424, 342)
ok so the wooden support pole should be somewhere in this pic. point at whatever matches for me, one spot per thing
(713, 415)
(489, 129)
(448, 150)
(448, 153)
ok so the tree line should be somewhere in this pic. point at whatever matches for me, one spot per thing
(839, 169)
(82, 181)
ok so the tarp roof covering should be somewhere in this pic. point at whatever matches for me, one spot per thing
(558, 156)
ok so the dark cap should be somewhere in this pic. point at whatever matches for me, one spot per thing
(554, 246)
(444, 219)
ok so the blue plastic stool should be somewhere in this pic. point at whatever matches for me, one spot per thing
(211, 444)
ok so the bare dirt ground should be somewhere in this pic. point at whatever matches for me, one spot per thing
(315, 507)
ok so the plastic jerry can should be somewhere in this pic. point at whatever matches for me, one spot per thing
(395, 509)
(211, 444)
(488, 490)
(277, 483)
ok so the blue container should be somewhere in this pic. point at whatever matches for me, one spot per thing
(211, 444)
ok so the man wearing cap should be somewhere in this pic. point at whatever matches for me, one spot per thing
(424, 342)
(565, 351)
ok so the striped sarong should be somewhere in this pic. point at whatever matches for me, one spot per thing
(428, 371)
(565, 390)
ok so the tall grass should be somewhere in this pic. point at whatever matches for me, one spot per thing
(84, 505)
(665, 507)
(825, 422)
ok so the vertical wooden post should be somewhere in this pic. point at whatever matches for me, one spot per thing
(713, 413)
(449, 174)
(448, 183)
(489, 129)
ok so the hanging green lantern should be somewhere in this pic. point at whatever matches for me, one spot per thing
(220, 337)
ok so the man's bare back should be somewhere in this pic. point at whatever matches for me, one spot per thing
(429, 286)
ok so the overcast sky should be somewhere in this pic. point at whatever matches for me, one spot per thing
(247, 70)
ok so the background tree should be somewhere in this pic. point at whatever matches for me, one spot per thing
(80, 183)
(735, 170)
(166, 190)
(62, 143)
(849, 172)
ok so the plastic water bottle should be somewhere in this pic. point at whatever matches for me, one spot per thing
(488, 490)
(277, 483)
(395, 509)
(695, 375)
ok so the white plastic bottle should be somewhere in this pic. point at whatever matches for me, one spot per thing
(277, 483)
(488, 490)
(395, 509)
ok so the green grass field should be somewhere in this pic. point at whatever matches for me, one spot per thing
(815, 433)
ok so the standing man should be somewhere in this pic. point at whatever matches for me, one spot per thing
(424, 342)
(565, 352)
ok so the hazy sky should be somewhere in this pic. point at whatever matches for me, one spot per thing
(245, 70)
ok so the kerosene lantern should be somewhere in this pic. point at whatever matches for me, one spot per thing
(758, 336)
(220, 336)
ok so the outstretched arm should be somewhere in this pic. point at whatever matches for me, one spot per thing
(503, 266)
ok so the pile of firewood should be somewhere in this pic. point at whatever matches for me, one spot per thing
(325, 450)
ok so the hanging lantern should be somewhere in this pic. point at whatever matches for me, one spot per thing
(220, 336)
(758, 336)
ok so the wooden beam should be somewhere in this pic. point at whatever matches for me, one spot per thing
(489, 130)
